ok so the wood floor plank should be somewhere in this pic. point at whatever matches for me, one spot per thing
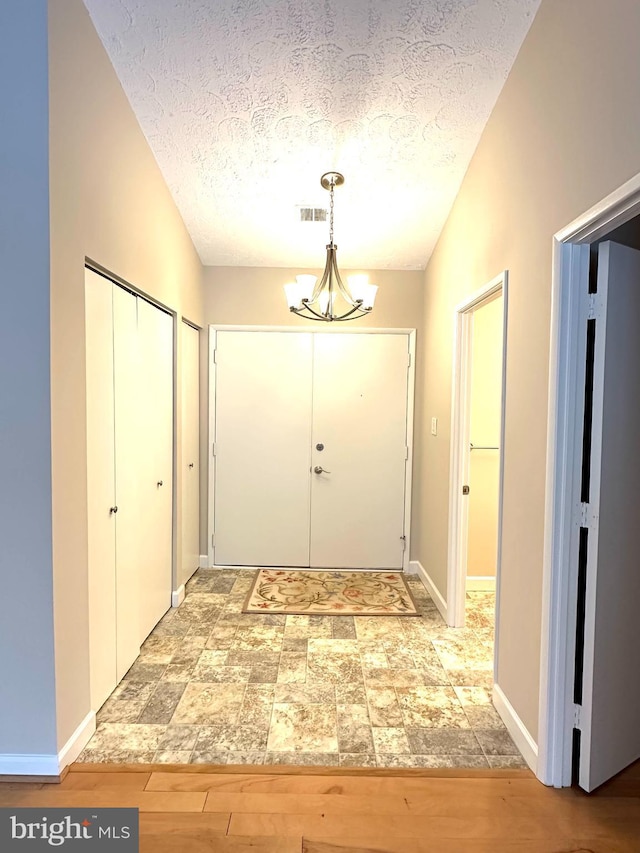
(305, 804)
(495, 826)
(357, 785)
(203, 833)
(305, 770)
(21, 786)
(219, 844)
(426, 845)
(146, 801)
(104, 782)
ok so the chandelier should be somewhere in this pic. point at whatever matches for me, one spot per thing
(329, 298)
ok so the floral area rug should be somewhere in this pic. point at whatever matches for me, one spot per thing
(330, 593)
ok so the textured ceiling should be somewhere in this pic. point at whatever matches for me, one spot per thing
(245, 103)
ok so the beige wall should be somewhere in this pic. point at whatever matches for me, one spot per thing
(254, 296)
(484, 467)
(564, 133)
(109, 203)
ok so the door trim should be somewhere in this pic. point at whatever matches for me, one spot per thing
(211, 416)
(564, 458)
(460, 401)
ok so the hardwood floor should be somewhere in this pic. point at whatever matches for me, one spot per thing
(198, 809)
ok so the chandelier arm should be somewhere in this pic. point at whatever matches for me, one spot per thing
(348, 315)
(341, 286)
(313, 314)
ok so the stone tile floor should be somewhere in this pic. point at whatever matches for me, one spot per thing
(213, 685)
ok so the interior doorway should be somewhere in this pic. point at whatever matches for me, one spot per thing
(477, 447)
(588, 705)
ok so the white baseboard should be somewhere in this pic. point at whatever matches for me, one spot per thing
(50, 765)
(416, 568)
(516, 728)
(77, 742)
(177, 596)
(480, 584)
(204, 561)
(29, 765)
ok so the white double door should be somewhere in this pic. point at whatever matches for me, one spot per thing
(311, 449)
(129, 352)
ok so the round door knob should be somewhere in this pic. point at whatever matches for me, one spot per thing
(113, 510)
(160, 482)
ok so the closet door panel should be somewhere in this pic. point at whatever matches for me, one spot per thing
(360, 417)
(190, 452)
(262, 448)
(155, 396)
(100, 486)
(127, 452)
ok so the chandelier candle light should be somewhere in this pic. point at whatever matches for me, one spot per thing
(329, 298)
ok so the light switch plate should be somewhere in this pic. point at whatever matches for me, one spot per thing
(434, 426)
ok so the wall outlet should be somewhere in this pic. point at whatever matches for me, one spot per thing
(434, 426)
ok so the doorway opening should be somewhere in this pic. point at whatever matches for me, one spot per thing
(217, 685)
(588, 705)
(477, 427)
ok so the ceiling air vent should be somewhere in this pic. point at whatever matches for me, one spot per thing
(312, 214)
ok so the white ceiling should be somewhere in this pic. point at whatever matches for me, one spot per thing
(245, 103)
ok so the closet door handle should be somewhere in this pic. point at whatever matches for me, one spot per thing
(190, 464)
(113, 510)
(160, 482)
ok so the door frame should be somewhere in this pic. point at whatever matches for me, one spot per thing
(460, 438)
(564, 460)
(211, 417)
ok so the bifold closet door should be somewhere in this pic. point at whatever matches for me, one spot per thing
(155, 463)
(127, 452)
(262, 448)
(360, 385)
(190, 452)
(101, 490)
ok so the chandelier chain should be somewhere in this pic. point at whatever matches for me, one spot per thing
(331, 211)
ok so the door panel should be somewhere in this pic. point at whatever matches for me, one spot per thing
(190, 452)
(360, 416)
(484, 461)
(100, 487)
(127, 450)
(611, 692)
(262, 439)
(155, 395)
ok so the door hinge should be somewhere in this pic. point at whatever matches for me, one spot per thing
(213, 449)
(577, 709)
(403, 539)
(408, 359)
(213, 355)
(587, 518)
(594, 309)
(406, 452)
(213, 540)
